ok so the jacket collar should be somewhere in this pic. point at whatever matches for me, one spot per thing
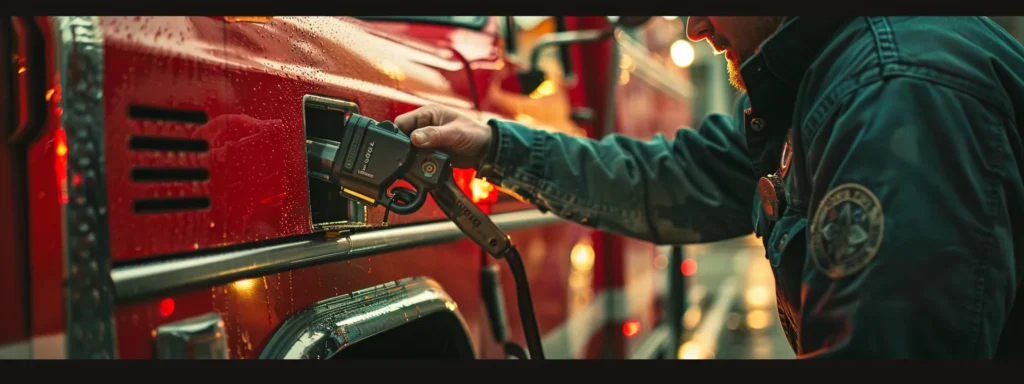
(773, 75)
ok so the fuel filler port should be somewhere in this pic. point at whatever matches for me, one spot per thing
(324, 120)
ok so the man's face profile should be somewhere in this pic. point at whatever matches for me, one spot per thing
(738, 37)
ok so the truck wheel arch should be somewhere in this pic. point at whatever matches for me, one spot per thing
(328, 328)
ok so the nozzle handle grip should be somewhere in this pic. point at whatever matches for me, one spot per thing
(470, 219)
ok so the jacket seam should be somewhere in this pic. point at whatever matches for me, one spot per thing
(997, 158)
(885, 41)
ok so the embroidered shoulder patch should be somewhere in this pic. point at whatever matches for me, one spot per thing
(846, 231)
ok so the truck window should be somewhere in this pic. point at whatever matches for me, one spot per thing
(524, 33)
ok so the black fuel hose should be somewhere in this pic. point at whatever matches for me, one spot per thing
(525, 303)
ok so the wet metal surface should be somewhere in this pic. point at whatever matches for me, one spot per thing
(325, 328)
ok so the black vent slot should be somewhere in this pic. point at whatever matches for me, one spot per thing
(142, 112)
(169, 174)
(170, 205)
(142, 143)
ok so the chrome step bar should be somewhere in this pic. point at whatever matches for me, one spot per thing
(136, 282)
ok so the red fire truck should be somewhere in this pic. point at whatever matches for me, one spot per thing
(156, 202)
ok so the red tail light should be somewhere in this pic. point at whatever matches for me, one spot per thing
(689, 267)
(631, 328)
(166, 307)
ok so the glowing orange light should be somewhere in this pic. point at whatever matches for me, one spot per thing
(631, 328)
(248, 19)
(480, 191)
(166, 307)
(61, 163)
(689, 267)
(49, 94)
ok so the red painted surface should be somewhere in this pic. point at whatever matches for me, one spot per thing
(13, 231)
(46, 224)
(249, 79)
(252, 88)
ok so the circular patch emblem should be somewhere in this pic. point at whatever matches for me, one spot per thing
(846, 231)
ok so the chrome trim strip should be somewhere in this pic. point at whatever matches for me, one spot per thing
(324, 328)
(158, 277)
(89, 292)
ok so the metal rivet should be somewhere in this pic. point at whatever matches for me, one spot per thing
(757, 124)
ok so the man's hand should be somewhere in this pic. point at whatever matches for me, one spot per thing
(458, 135)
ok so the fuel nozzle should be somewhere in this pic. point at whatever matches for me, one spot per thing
(371, 157)
(320, 157)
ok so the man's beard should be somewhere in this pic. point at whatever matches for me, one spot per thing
(763, 30)
(734, 75)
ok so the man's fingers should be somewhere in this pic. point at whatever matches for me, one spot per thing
(407, 122)
(436, 137)
(417, 118)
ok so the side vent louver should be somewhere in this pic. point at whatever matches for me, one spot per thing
(169, 175)
(140, 112)
(171, 146)
(144, 143)
(171, 204)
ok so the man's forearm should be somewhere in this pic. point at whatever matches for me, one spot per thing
(696, 187)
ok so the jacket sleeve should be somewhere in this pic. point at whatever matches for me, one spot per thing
(909, 252)
(695, 187)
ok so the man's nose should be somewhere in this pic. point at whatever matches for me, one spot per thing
(698, 27)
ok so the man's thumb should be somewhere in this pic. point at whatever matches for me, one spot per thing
(420, 137)
(436, 137)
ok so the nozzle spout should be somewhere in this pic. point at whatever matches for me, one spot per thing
(320, 157)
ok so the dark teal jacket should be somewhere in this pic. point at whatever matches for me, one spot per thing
(901, 232)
